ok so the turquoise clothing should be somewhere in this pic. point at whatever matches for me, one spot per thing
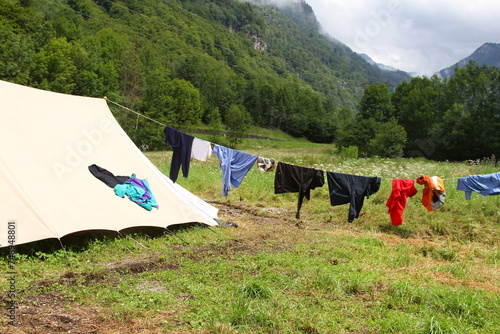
(138, 191)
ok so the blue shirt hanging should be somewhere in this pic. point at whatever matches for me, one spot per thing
(485, 185)
(234, 165)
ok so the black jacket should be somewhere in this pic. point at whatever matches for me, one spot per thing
(345, 188)
(292, 179)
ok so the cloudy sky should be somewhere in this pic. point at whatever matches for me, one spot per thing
(421, 36)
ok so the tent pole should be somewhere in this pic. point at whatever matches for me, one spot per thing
(62, 246)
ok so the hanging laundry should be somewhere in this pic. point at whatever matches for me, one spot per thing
(295, 179)
(353, 189)
(234, 165)
(201, 149)
(182, 144)
(265, 165)
(433, 193)
(401, 190)
(138, 191)
(485, 185)
(106, 176)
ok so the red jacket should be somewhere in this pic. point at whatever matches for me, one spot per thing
(433, 192)
(401, 190)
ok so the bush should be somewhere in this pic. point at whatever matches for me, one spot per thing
(389, 142)
(349, 152)
(238, 122)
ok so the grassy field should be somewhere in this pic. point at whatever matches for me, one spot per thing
(439, 272)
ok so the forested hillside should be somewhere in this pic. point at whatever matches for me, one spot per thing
(228, 64)
(182, 62)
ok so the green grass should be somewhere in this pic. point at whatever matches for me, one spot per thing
(436, 273)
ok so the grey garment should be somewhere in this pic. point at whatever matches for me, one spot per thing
(265, 165)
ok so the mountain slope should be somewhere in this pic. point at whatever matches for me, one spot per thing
(327, 65)
(303, 15)
(487, 54)
(393, 75)
(182, 62)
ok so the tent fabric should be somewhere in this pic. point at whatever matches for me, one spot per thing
(47, 142)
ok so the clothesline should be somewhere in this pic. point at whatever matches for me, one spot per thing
(343, 188)
(392, 178)
(164, 125)
(135, 112)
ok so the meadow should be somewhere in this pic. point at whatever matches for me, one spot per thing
(439, 272)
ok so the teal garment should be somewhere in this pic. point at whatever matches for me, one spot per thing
(138, 191)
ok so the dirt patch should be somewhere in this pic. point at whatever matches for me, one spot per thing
(49, 313)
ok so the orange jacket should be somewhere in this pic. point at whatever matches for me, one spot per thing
(433, 193)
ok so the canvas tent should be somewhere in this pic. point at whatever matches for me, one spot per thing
(47, 142)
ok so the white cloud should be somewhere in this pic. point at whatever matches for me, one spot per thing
(420, 36)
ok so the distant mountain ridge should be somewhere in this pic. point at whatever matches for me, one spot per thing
(487, 54)
(389, 72)
(370, 61)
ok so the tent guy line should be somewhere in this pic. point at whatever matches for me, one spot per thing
(135, 112)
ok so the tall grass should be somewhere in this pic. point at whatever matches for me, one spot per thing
(459, 219)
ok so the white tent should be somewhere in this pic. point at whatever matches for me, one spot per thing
(47, 142)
